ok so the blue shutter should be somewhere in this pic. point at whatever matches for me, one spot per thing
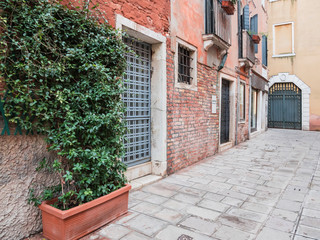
(254, 29)
(246, 23)
(254, 24)
(265, 50)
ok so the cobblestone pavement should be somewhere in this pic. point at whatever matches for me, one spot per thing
(267, 188)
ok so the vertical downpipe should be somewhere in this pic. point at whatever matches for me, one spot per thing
(239, 56)
(239, 30)
(249, 123)
(237, 110)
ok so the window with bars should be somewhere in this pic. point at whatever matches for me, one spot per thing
(184, 65)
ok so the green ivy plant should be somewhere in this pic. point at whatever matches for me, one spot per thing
(63, 69)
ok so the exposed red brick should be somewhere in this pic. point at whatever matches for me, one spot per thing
(192, 128)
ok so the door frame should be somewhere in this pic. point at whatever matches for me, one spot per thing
(305, 94)
(232, 98)
(224, 111)
(289, 88)
(158, 164)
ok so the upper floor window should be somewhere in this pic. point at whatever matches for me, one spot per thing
(216, 21)
(283, 39)
(209, 17)
(254, 29)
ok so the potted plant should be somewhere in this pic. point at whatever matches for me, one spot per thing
(255, 38)
(63, 70)
(228, 6)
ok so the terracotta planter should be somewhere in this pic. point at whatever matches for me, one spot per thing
(228, 7)
(255, 39)
(81, 220)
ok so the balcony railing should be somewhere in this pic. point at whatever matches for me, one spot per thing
(218, 26)
(222, 23)
(247, 47)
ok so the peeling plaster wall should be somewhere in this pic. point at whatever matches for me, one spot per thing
(19, 158)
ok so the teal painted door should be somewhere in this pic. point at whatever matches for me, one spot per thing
(284, 110)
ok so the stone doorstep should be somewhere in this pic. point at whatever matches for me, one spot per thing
(143, 181)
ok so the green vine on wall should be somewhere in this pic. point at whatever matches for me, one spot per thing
(64, 67)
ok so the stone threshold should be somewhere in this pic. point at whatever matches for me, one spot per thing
(143, 181)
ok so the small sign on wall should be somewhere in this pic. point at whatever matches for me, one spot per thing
(214, 104)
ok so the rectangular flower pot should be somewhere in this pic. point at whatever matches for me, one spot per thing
(81, 220)
(255, 39)
(228, 7)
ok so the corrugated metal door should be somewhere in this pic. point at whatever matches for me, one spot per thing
(284, 106)
(225, 112)
(137, 101)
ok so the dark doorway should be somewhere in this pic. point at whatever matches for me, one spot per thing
(225, 112)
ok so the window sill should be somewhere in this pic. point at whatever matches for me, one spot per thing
(242, 121)
(186, 86)
(284, 55)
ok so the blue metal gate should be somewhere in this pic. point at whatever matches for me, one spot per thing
(284, 110)
(137, 101)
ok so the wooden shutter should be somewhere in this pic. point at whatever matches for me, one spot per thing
(254, 29)
(246, 23)
(265, 50)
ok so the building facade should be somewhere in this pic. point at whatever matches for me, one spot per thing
(293, 62)
(223, 101)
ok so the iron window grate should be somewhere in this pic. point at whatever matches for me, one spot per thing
(184, 65)
(137, 102)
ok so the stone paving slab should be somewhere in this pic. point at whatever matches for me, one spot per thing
(267, 188)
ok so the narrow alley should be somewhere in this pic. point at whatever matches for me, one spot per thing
(265, 188)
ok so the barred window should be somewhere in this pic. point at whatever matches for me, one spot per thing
(184, 65)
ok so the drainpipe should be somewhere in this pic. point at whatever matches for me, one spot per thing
(219, 91)
(239, 31)
(237, 110)
(239, 56)
(250, 92)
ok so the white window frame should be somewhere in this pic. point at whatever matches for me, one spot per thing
(194, 55)
(242, 120)
(274, 40)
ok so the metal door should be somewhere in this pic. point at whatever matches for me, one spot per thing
(225, 112)
(284, 110)
(137, 101)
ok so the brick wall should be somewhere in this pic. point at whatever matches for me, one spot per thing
(192, 128)
(154, 15)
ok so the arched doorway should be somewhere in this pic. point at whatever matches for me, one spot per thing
(284, 110)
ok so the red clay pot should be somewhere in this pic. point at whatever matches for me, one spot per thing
(81, 220)
(228, 7)
(255, 39)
